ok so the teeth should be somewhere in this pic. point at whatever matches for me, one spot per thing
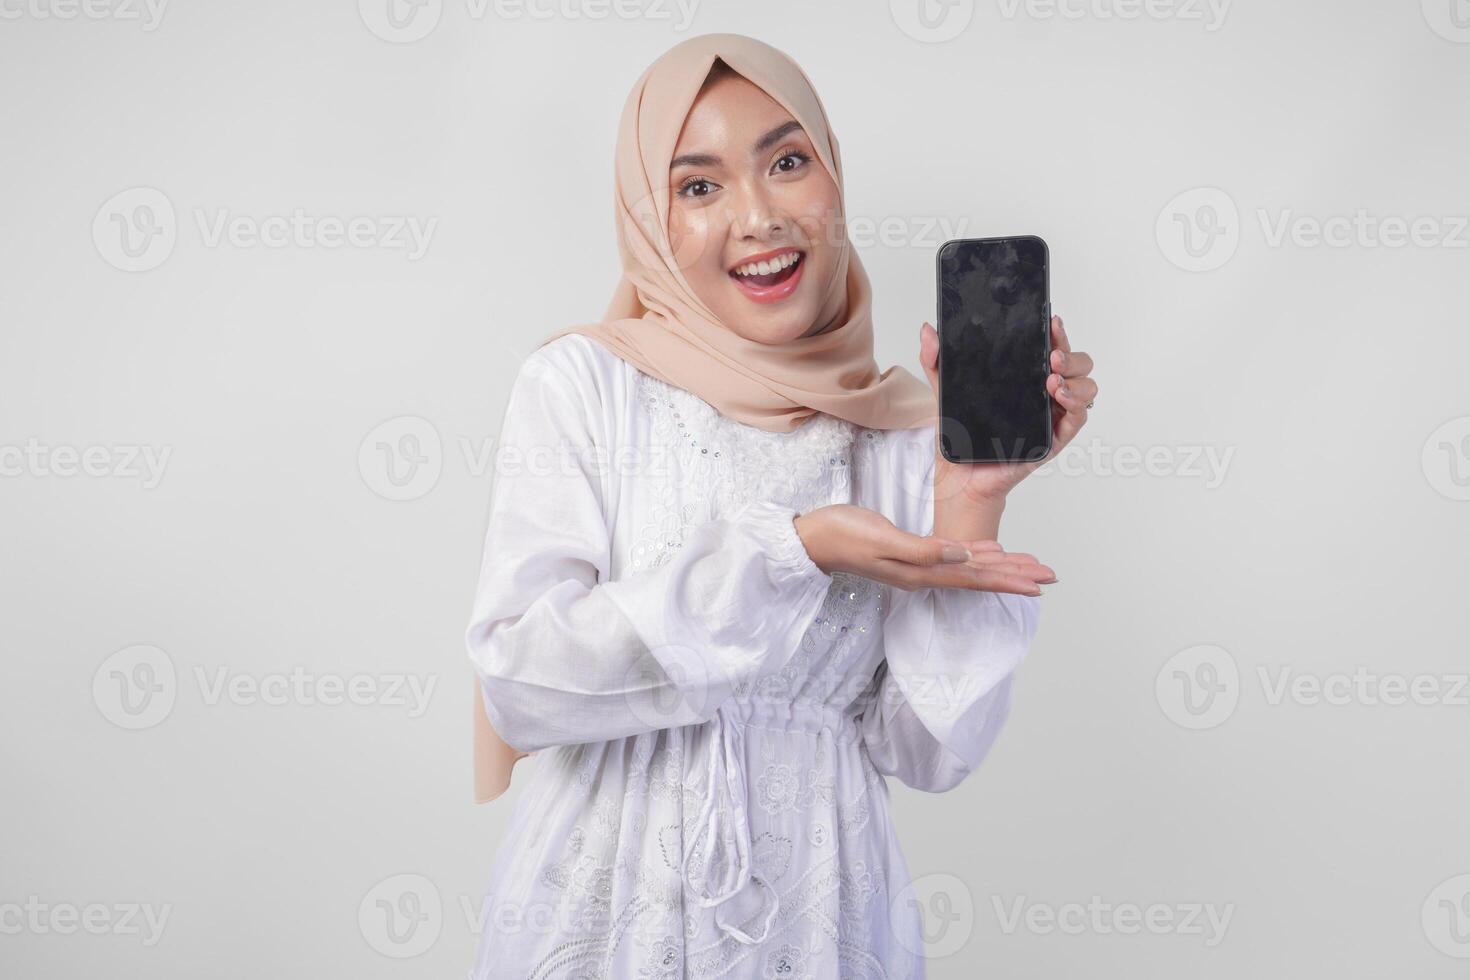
(766, 268)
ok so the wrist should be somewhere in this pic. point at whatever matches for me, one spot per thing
(970, 518)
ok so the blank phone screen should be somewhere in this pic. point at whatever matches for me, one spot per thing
(994, 342)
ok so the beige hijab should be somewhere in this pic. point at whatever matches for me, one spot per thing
(657, 323)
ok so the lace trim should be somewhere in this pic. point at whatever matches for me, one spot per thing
(718, 465)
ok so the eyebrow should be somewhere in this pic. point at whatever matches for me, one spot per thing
(761, 145)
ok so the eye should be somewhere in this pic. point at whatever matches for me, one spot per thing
(801, 159)
(687, 187)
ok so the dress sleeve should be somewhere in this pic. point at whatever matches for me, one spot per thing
(565, 656)
(943, 690)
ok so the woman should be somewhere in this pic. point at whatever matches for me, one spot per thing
(729, 585)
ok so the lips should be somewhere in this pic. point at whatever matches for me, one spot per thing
(769, 276)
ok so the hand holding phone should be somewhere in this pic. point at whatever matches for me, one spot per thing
(994, 324)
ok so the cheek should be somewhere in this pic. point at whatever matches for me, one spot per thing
(815, 206)
(691, 235)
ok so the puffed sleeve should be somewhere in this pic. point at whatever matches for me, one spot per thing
(565, 656)
(943, 690)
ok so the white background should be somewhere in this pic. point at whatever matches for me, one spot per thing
(1332, 539)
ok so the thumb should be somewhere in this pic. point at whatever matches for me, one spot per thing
(929, 353)
(933, 551)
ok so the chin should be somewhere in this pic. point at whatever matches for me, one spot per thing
(774, 326)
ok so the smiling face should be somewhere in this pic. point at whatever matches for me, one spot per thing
(751, 213)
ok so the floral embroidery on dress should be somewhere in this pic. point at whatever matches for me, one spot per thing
(666, 961)
(731, 464)
(786, 962)
(777, 788)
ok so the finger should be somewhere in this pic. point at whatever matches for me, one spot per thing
(1022, 562)
(1072, 394)
(1069, 426)
(1013, 557)
(999, 581)
(907, 576)
(1071, 364)
(1059, 339)
(1001, 557)
(929, 352)
(910, 577)
(1075, 393)
(1035, 572)
(989, 573)
(1023, 566)
(916, 550)
(1069, 408)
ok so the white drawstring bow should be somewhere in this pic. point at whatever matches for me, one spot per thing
(727, 751)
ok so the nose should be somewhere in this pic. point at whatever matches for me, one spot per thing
(755, 216)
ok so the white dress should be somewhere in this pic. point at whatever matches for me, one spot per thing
(714, 714)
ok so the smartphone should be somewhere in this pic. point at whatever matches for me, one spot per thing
(994, 323)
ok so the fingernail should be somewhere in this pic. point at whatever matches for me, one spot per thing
(953, 552)
(1063, 390)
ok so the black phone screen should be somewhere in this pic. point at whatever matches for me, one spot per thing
(994, 323)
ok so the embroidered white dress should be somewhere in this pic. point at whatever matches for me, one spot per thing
(713, 715)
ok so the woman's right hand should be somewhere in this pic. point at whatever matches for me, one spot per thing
(845, 537)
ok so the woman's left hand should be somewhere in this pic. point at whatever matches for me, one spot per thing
(982, 487)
